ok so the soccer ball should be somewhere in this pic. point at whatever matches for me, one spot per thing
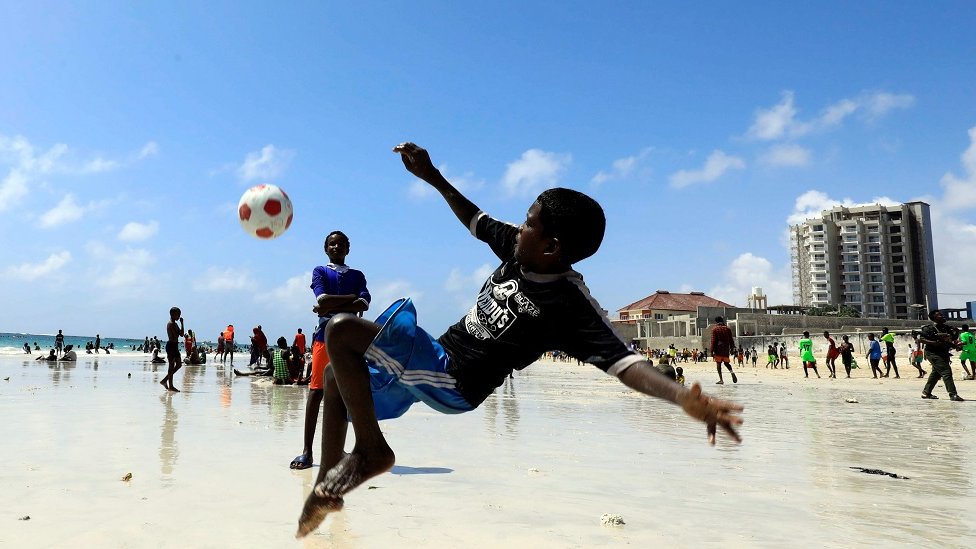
(265, 211)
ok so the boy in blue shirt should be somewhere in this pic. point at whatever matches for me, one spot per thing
(874, 356)
(532, 303)
(338, 288)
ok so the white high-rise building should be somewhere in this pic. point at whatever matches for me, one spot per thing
(875, 258)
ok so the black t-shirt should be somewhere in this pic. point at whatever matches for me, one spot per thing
(520, 315)
(932, 332)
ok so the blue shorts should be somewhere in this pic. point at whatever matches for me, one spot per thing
(407, 365)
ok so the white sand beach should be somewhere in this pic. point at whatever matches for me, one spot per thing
(536, 466)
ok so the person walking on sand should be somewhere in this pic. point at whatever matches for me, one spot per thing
(832, 354)
(874, 356)
(783, 358)
(299, 342)
(806, 355)
(847, 355)
(722, 345)
(889, 340)
(968, 350)
(98, 343)
(771, 360)
(229, 343)
(220, 347)
(173, 335)
(939, 339)
(532, 303)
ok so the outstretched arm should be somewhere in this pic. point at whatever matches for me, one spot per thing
(417, 162)
(647, 379)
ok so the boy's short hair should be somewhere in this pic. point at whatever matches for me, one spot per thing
(719, 320)
(806, 334)
(932, 313)
(282, 342)
(575, 219)
(174, 310)
(335, 233)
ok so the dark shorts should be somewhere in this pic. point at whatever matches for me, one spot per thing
(172, 350)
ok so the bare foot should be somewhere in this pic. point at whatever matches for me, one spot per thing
(317, 507)
(173, 389)
(355, 469)
(163, 383)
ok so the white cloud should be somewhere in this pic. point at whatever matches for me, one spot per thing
(137, 232)
(24, 164)
(149, 149)
(623, 168)
(960, 191)
(12, 189)
(786, 154)
(99, 165)
(232, 280)
(812, 203)
(122, 271)
(750, 270)
(464, 287)
(130, 269)
(385, 293)
(32, 271)
(65, 212)
(715, 166)
(773, 123)
(780, 121)
(293, 296)
(878, 104)
(534, 171)
(465, 183)
(266, 164)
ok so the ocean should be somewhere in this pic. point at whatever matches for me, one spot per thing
(13, 343)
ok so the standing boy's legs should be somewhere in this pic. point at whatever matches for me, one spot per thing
(316, 391)
(347, 394)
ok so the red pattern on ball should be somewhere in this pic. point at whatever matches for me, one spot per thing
(245, 212)
(272, 207)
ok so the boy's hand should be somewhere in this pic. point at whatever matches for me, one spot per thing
(713, 411)
(416, 160)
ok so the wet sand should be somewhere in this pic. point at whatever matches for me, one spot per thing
(536, 466)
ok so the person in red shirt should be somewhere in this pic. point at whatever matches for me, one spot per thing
(721, 348)
(299, 342)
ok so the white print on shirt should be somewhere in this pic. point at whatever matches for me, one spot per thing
(492, 315)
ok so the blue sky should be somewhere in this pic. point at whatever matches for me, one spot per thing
(128, 133)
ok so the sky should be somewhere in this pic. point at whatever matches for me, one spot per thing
(128, 132)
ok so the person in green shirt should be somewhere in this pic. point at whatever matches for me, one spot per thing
(889, 341)
(968, 350)
(806, 355)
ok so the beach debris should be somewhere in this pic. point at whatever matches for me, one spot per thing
(25, 517)
(610, 519)
(372, 487)
(127, 477)
(6, 378)
(850, 400)
(878, 472)
(533, 471)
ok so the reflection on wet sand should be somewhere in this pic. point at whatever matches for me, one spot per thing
(503, 397)
(169, 450)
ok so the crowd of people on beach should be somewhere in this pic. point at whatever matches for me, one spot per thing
(881, 353)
